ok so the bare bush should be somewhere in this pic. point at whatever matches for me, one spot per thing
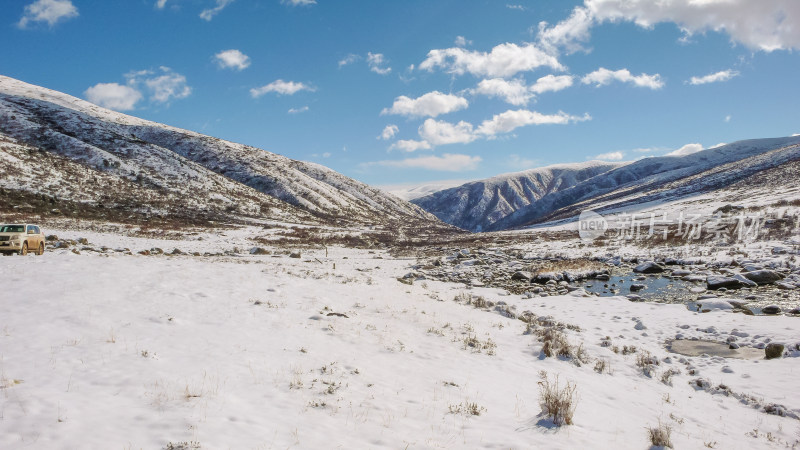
(660, 435)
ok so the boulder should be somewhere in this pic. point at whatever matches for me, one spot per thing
(763, 276)
(649, 267)
(744, 281)
(771, 309)
(521, 275)
(637, 287)
(773, 350)
(714, 282)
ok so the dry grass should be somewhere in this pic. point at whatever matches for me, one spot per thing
(660, 435)
(558, 404)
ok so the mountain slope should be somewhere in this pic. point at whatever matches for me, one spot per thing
(660, 179)
(478, 205)
(160, 165)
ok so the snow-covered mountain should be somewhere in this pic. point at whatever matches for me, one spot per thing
(557, 192)
(68, 150)
(479, 205)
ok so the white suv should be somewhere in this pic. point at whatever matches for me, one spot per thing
(21, 238)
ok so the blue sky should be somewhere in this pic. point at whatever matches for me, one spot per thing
(392, 92)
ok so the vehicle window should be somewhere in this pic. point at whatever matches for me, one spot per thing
(36, 230)
(11, 228)
(30, 229)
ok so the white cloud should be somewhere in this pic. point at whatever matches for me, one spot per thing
(448, 162)
(504, 60)
(376, 63)
(552, 83)
(687, 149)
(728, 118)
(168, 86)
(49, 11)
(113, 96)
(410, 145)
(208, 14)
(431, 104)
(349, 59)
(763, 24)
(603, 76)
(232, 59)
(518, 7)
(568, 34)
(281, 87)
(515, 92)
(461, 41)
(162, 85)
(610, 156)
(512, 119)
(444, 133)
(298, 110)
(389, 132)
(160, 4)
(717, 77)
(299, 2)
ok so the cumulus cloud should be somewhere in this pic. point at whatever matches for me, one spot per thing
(766, 25)
(377, 63)
(717, 77)
(113, 96)
(161, 86)
(167, 86)
(410, 145)
(298, 110)
(516, 92)
(389, 132)
(610, 156)
(512, 119)
(48, 11)
(603, 76)
(444, 133)
(160, 4)
(299, 2)
(448, 162)
(431, 104)
(232, 59)
(569, 34)
(280, 87)
(687, 149)
(208, 14)
(504, 60)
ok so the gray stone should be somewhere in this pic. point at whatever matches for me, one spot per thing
(763, 276)
(521, 275)
(649, 267)
(637, 287)
(773, 350)
(771, 309)
(714, 282)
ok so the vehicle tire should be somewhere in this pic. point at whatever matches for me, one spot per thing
(24, 250)
(41, 249)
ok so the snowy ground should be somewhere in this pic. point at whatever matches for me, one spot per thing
(108, 350)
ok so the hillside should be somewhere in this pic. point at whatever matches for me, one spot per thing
(78, 155)
(478, 205)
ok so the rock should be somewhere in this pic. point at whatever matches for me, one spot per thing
(649, 267)
(259, 251)
(795, 311)
(634, 298)
(294, 255)
(752, 268)
(546, 278)
(177, 251)
(637, 287)
(521, 275)
(602, 277)
(706, 296)
(785, 286)
(714, 282)
(763, 276)
(771, 309)
(773, 350)
(681, 273)
(780, 250)
(733, 346)
(744, 281)
(694, 277)
(51, 238)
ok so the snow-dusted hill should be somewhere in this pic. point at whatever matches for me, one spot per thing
(478, 205)
(60, 146)
(485, 205)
